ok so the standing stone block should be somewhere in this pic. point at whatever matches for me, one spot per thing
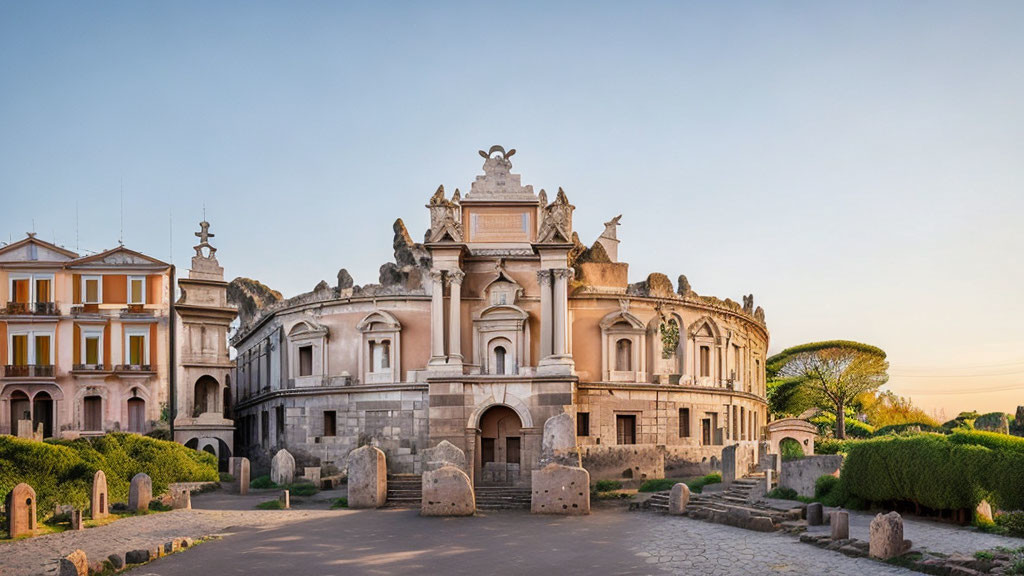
(558, 444)
(181, 498)
(678, 498)
(559, 489)
(815, 514)
(444, 454)
(25, 430)
(99, 504)
(984, 512)
(367, 478)
(282, 468)
(286, 499)
(140, 492)
(74, 564)
(729, 464)
(312, 473)
(887, 537)
(447, 491)
(239, 470)
(76, 520)
(840, 522)
(21, 511)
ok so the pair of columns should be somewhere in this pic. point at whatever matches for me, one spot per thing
(554, 320)
(453, 278)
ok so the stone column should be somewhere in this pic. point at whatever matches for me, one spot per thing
(455, 278)
(544, 278)
(437, 318)
(560, 310)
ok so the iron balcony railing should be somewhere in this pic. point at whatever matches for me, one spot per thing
(31, 309)
(133, 368)
(28, 371)
(89, 368)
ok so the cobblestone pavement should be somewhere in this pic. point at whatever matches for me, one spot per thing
(932, 535)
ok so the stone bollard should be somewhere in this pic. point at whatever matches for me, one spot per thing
(20, 505)
(286, 501)
(887, 537)
(76, 520)
(678, 498)
(282, 468)
(99, 505)
(767, 481)
(140, 492)
(815, 514)
(840, 521)
(181, 498)
(367, 478)
(447, 491)
(239, 470)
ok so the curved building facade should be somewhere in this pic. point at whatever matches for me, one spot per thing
(500, 319)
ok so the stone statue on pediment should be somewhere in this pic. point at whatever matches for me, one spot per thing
(445, 217)
(556, 220)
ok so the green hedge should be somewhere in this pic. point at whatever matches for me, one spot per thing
(939, 472)
(826, 423)
(908, 426)
(61, 471)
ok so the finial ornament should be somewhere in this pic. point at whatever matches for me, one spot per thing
(204, 236)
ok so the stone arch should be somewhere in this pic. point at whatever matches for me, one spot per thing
(206, 395)
(508, 401)
(800, 430)
(387, 321)
(500, 442)
(43, 406)
(677, 361)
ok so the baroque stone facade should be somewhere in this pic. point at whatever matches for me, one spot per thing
(499, 321)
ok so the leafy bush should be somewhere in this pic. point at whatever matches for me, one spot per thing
(826, 423)
(270, 505)
(824, 486)
(901, 428)
(607, 485)
(832, 446)
(790, 449)
(302, 489)
(339, 503)
(262, 482)
(61, 471)
(160, 434)
(226, 478)
(782, 493)
(1012, 522)
(696, 486)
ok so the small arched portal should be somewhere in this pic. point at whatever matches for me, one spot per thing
(136, 413)
(207, 392)
(21, 409)
(42, 413)
(499, 448)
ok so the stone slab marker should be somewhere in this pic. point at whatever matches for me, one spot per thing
(286, 499)
(447, 491)
(239, 470)
(367, 478)
(444, 454)
(729, 464)
(76, 520)
(562, 486)
(887, 537)
(21, 511)
(312, 473)
(140, 492)
(815, 514)
(181, 498)
(558, 444)
(282, 468)
(678, 498)
(99, 504)
(25, 430)
(840, 523)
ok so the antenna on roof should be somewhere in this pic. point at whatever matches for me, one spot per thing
(170, 235)
(76, 227)
(120, 239)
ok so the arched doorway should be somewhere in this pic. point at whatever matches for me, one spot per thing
(21, 409)
(790, 449)
(499, 448)
(136, 414)
(42, 413)
(206, 395)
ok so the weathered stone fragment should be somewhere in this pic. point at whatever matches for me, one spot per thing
(887, 536)
(444, 454)
(312, 473)
(815, 514)
(558, 445)
(116, 561)
(140, 492)
(447, 491)
(367, 478)
(136, 556)
(181, 498)
(840, 522)
(678, 498)
(558, 489)
(76, 520)
(20, 505)
(239, 470)
(99, 504)
(74, 564)
(984, 511)
(282, 468)
(729, 464)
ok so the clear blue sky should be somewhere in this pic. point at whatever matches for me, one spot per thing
(857, 166)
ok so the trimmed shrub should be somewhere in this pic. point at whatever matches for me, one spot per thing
(1012, 522)
(61, 471)
(302, 489)
(902, 428)
(824, 486)
(262, 482)
(826, 423)
(832, 446)
(607, 485)
(339, 503)
(782, 493)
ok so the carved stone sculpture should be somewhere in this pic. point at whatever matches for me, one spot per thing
(556, 220)
(445, 217)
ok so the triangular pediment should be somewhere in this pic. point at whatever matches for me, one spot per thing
(119, 257)
(32, 249)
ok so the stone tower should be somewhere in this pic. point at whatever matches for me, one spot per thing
(204, 365)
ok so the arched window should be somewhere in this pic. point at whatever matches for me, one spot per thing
(206, 396)
(499, 360)
(624, 355)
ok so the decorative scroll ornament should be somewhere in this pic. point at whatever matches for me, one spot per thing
(445, 217)
(556, 222)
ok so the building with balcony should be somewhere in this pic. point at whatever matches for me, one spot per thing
(84, 340)
(499, 320)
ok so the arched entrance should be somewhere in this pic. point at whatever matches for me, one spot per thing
(20, 410)
(206, 396)
(499, 447)
(42, 413)
(136, 415)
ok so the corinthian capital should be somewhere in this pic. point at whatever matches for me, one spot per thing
(544, 277)
(436, 275)
(455, 277)
(564, 273)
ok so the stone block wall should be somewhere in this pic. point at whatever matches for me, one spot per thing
(631, 462)
(800, 475)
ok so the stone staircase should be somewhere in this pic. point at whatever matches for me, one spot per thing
(731, 506)
(502, 498)
(404, 490)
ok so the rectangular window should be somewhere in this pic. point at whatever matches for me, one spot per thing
(684, 422)
(306, 361)
(92, 350)
(19, 349)
(705, 432)
(42, 350)
(279, 414)
(705, 361)
(91, 289)
(625, 426)
(43, 290)
(93, 413)
(512, 450)
(264, 428)
(137, 290)
(583, 423)
(486, 450)
(330, 423)
(136, 349)
(20, 291)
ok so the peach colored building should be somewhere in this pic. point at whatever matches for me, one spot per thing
(498, 320)
(84, 340)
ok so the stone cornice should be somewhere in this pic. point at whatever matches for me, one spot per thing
(647, 387)
(323, 390)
